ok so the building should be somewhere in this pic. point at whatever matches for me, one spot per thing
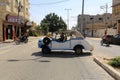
(92, 23)
(116, 14)
(14, 14)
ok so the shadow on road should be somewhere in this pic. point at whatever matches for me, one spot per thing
(39, 55)
(61, 54)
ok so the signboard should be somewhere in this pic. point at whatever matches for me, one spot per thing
(10, 18)
(2, 3)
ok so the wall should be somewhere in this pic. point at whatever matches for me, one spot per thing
(100, 32)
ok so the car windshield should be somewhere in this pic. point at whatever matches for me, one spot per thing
(76, 34)
(69, 34)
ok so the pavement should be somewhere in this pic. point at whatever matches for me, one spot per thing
(114, 73)
(6, 44)
(98, 60)
(101, 61)
(10, 43)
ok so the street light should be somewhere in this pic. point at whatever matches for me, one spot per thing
(68, 17)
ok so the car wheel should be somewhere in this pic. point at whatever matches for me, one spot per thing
(26, 41)
(101, 42)
(46, 40)
(17, 42)
(78, 50)
(45, 49)
(107, 44)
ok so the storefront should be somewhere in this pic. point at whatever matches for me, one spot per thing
(12, 27)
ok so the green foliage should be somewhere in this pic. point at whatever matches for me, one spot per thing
(52, 23)
(37, 28)
(35, 34)
(115, 62)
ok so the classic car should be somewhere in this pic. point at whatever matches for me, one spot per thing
(75, 42)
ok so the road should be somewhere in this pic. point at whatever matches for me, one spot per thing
(26, 62)
(103, 51)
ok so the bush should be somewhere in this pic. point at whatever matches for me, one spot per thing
(35, 34)
(115, 62)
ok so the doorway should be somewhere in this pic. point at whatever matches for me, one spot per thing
(9, 32)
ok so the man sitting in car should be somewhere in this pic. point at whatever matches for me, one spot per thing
(62, 37)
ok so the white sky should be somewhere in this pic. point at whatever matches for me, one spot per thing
(92, 7)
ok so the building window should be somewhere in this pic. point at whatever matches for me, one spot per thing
(100, 19)
(108, 18)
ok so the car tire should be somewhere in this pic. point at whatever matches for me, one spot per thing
(107, 44)
(45, 49)
(17, 42)
(46, 40)
(26, 41)
(101, 42)
(78, 50)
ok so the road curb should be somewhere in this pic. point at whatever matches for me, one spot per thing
(108, 68)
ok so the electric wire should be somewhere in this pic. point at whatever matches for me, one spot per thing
(51, 3)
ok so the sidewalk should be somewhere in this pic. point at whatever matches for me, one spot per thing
(112, 71)
(103, 62)
(6, 44)
(9, 43)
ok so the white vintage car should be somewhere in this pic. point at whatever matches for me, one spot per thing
(76, 42)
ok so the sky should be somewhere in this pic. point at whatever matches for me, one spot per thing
(40, 8)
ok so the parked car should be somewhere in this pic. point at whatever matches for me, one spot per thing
(111, 40)
(115, 39)
(76, 43)
(107, 40)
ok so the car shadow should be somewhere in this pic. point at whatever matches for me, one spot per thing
(61, 54)
(107, 46)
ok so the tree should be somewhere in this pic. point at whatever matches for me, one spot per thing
(52, 23)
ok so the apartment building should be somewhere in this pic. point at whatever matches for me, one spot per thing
(116, 14)
(14, 15)
(92, 23)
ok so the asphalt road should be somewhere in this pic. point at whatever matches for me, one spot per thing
(103, 51)
(26, 62)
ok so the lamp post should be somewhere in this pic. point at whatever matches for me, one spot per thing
(68, 17)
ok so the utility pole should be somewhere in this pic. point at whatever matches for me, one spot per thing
(82, 29)
(68, 17)
(18, 18)
(106, 11)
(92, 21)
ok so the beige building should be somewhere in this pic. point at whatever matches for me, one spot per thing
(92, 23)
(14, 14)
(116, 14)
